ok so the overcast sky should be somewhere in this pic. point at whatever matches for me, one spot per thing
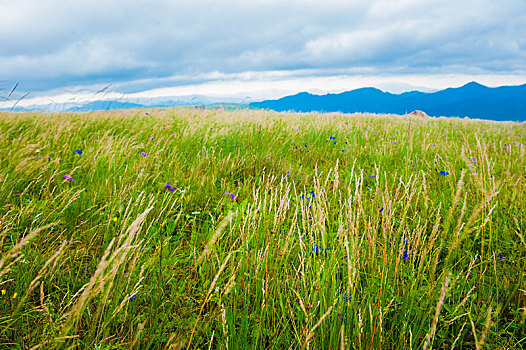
(258, 48)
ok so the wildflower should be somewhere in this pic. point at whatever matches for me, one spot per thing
(305, 145)
(381, 209)
(473, 160)
(171, 220)
(146, 113)
(405, 254)
(434, 145)
(114, 219)
(170, 187)
(151, 138)
(78, 151)
(68, 177)
(332, 137)
(394, 143)
(131, 297)
(373, 175)
(312, 194)
(343, 150)
(444, 173)
(3, 291)
(267, 158)
(144, 154)
(14, 295)
(230, 194)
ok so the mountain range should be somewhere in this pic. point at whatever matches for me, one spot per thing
(472, 100)
(104, 105)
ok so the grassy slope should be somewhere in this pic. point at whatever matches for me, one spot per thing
(116, 260)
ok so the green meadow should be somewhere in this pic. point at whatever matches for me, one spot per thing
(249, 229)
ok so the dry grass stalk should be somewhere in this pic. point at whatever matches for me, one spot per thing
(101, 275)
(431, 334)
(214, 237)
(207, 296)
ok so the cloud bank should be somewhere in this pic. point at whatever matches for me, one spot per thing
(142, 45)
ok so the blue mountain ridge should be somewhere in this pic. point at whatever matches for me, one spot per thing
(472, 100)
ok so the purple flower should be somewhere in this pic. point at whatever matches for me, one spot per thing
(146, 113)
(170, 220)
(373, 175)
(151, 138)
(68, 177)
(394, 143)
(170, 187)
(473, 160)
(144, 154)
(230, 194)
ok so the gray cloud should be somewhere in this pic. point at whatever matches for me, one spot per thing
(46, 45)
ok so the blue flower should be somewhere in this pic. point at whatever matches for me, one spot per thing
(381, 209)
(332, 137)
(444, 173)
(312, 194)
(405, 254)
(78, 151)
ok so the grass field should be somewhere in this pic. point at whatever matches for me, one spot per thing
(200, 229)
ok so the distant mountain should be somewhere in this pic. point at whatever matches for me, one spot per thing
(471, 100)
(104, 105)
(99, 105)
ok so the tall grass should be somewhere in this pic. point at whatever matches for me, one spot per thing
(296, 231)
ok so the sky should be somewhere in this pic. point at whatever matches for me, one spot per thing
(58, 50)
